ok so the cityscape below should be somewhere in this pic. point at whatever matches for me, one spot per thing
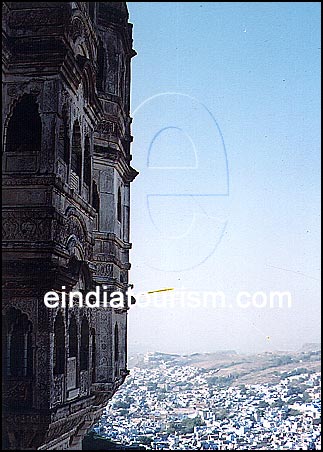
(219, 401)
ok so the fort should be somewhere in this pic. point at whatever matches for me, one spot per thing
(66, 206)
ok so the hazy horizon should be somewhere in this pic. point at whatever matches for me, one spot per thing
(226, 108)
(219, 351)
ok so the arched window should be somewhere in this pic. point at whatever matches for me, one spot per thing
(25, 127)
(72, 336)
(17, 345)
(76, 163)
(59, 345)
(100, 66)
(116, 343)
(87, 163)
(84, 352)
(119, 206)
(93, 355)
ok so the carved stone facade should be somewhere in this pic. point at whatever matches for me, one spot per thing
(66, 205)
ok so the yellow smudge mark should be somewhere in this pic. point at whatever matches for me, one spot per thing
(160, 290)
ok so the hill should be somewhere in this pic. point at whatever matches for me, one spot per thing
(260, 368)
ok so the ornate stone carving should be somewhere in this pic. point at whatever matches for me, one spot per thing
(25, 305)
(26, 227)
(77, 29)
(84, 383)
(37, 18)
(32, 180)
(58, 390)
(20, 391)
(102, 269)
(71, 232)
(81, 38)
(108, 127)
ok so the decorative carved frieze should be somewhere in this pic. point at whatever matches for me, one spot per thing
(17, 390)
(43, 17)
(26, 226)
(103, 269)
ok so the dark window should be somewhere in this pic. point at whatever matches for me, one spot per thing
(84, 355)
(119, 206)
(116, 343)
(100, 66)
(77, 150)
(95, 197)
(72, 334)
(87, 163)
(25, 127)
(17, 352)
(59, 345)
(66, 138)
(17, 345)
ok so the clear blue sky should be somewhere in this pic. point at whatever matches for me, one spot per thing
(226, 102)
